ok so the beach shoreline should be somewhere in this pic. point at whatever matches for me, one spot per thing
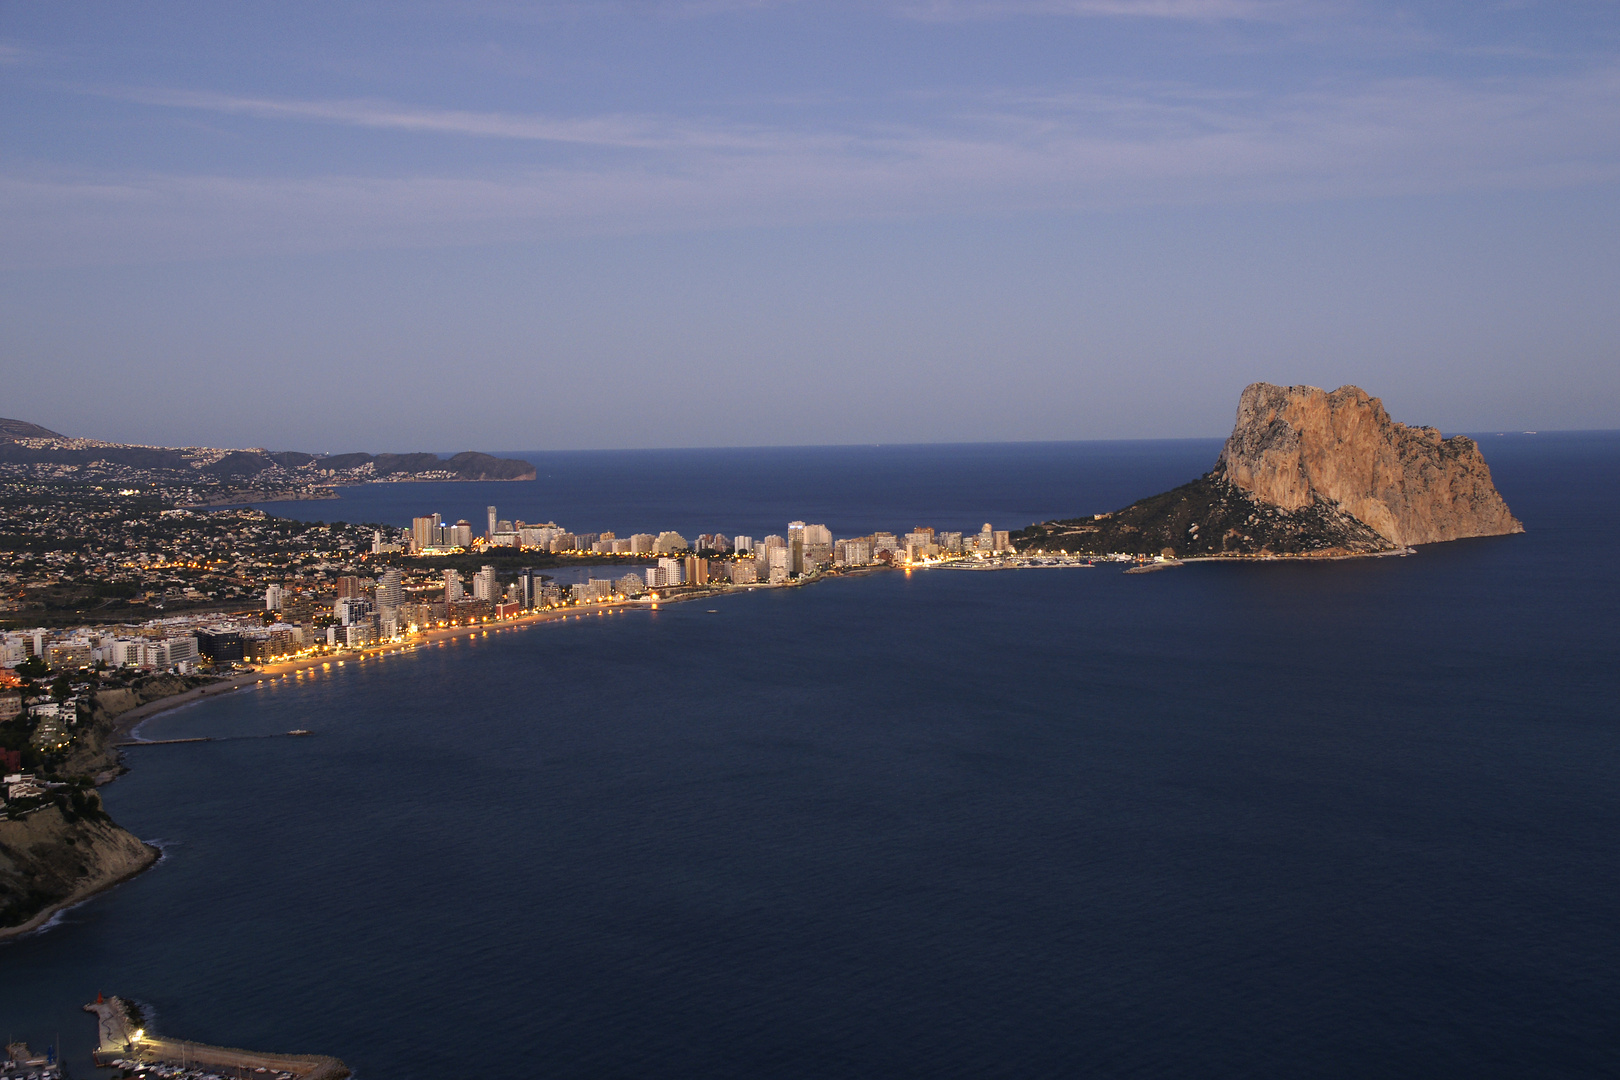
(126, 723)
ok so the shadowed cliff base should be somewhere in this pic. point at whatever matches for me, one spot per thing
(1305, 472)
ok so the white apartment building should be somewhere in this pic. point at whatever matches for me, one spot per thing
(351, 609)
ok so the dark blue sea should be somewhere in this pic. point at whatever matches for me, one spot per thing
(1342, 820)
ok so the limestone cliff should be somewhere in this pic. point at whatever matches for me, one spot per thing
(94, 752)
(59, 855)
(1293, 445)
(1305, 472)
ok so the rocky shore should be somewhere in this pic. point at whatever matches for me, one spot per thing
(59, 856)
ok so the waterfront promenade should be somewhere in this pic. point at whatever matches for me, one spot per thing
(127, 722)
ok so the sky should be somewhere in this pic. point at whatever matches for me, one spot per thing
(642, 223)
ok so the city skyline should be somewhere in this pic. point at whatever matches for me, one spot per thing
(686, 224)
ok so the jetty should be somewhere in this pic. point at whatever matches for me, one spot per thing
(162, 742)
(123, 1042)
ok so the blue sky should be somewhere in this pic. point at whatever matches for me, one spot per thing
(723, 222)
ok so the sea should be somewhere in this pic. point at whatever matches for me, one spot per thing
(1340, 819)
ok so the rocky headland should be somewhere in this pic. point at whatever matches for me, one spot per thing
(1305, 472)
(59, 855)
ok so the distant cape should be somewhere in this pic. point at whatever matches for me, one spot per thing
(1305, 472)
(234, 465)
(22, 429)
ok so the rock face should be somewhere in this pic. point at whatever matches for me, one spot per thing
(1305, 472)
(1295, 444)
(60, 855)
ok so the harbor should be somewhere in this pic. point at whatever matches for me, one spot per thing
(23, 1063)
(124, 1044)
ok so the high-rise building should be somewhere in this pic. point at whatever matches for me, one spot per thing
(817, 535)
(457, 535)
(349, 586)
(697, 570)
(452, 586)
(485, 587)
(272, 598)
(1001, 540)
(670, 541)
(424, 532)
(528, 583)
(742, 545)
(390, 591)
(493, 523)
(671, 571)
(642, 543)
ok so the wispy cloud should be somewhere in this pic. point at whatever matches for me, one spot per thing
(605, 131)
(1088, 147)
(1193, 10)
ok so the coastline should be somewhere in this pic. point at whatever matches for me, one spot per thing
(126, 723)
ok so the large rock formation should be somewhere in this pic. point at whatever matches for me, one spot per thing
(1305, 472)
(1293, 445)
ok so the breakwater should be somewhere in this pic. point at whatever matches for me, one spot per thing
(123, 1038)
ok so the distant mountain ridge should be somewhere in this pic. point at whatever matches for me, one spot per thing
(236, 465)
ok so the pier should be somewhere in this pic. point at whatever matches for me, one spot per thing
(162, 742)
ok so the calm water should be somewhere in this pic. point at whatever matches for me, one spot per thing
(851, 489)
(1343, 820)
